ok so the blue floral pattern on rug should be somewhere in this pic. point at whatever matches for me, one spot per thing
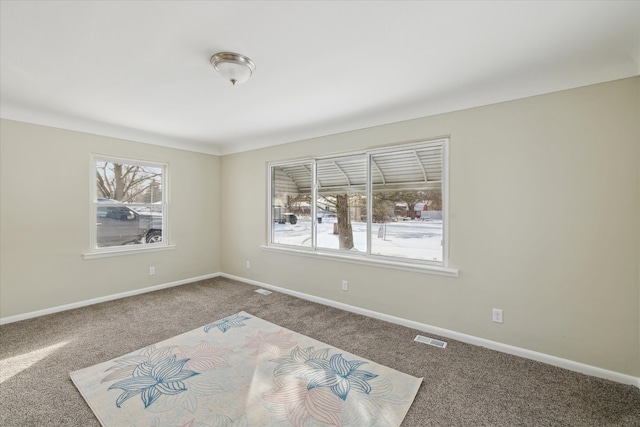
(250, 373)
(152, 381)
(339, 374)
(235, 321)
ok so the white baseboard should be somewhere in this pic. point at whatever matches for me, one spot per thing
(16, 318)
(470, 339)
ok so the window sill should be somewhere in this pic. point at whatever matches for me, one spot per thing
(374, 262)
(120, 251)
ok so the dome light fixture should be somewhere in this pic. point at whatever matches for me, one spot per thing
(232, 66)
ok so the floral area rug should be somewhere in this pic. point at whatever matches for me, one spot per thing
(244, 371)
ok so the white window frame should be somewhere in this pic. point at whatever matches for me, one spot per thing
(439, 268)
(110, 251)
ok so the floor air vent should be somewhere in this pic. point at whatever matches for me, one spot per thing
(431, 341)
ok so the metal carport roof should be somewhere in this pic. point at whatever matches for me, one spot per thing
(416, 168)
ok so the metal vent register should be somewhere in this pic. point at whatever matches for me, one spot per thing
(431, 341)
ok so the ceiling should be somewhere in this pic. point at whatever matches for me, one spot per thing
(140, 70)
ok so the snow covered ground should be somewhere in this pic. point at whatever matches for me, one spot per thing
(408, 239)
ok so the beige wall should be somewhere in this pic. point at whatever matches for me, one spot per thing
(545, 224)
(45, 219)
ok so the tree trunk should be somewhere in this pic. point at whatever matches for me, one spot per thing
(345, 232)
(120, 182)
(412, 210)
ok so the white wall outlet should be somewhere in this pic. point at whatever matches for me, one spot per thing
(152, 271)
(497, 315)
(248, 264)
(345, 285)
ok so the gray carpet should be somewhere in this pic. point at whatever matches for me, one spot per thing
(464, 385)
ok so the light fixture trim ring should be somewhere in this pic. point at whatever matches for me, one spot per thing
(232, 57)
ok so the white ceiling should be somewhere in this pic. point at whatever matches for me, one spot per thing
(140, 70)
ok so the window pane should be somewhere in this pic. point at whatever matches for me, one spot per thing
(291, 204)
(129, 205)
(342, 203)
(407, 204)
(128, 183)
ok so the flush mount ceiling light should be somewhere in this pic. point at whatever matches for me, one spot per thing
(233, 66)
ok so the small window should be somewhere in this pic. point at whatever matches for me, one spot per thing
(129, 204)
(382, 204)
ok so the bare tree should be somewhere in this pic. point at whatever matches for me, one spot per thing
(124, 183)
(294, 202)
(435, 199)
(411, 198)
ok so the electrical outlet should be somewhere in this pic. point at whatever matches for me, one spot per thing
(497, 315)
(345, 285)
(248, 264)
(152, 271)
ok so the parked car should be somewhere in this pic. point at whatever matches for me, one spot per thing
(117, 224)
(282, 217)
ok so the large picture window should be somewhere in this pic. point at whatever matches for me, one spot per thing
(129, 204)
(383, 204)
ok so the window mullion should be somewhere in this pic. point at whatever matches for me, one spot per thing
(445, 203)
(369, 204)
(270, 221)
(314, 207)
